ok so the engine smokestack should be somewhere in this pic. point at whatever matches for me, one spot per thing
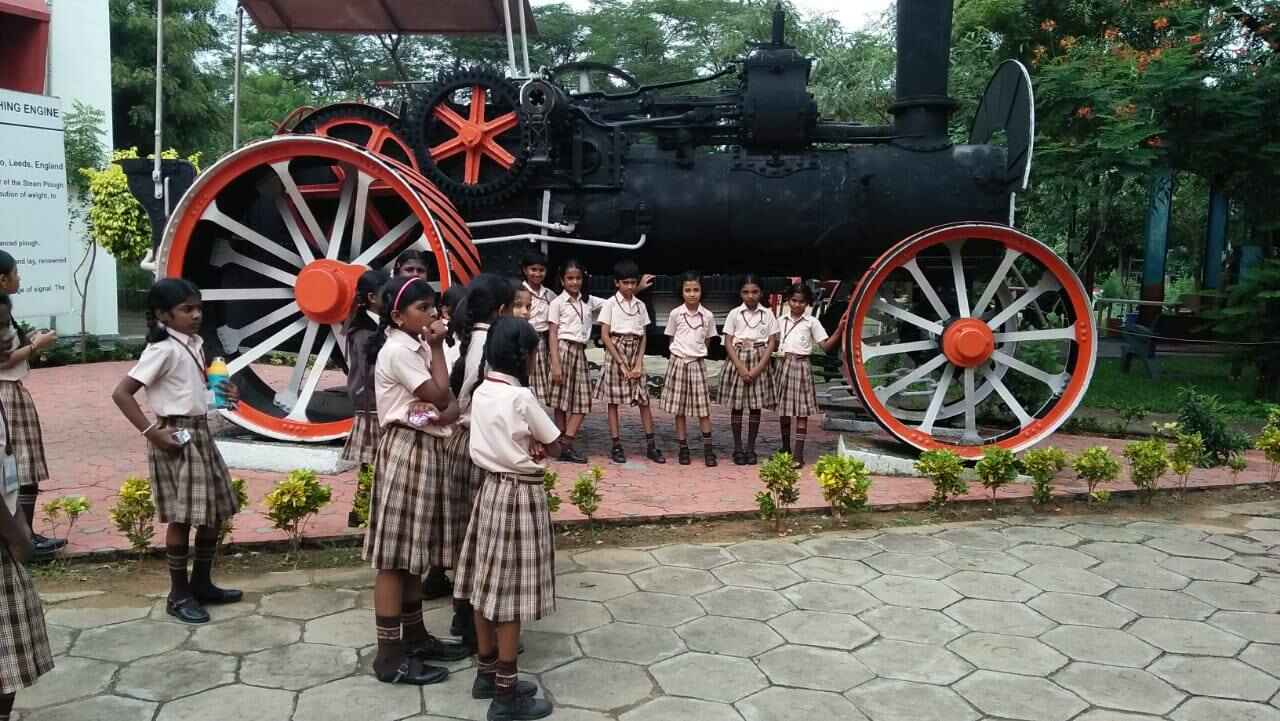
(924, 60)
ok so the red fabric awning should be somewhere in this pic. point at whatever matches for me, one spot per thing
(39, 9)
(435, 17)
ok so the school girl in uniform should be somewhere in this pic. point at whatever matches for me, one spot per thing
(624, 321)
(412, 263)
(533, 267)
(746, 380)
(506, 568)
(190, 483)
(488, 296)
(569, 320)
(798, 334)
(415, 410)
(24, 643)
(690, 327)
(24, 422)
(362, 444)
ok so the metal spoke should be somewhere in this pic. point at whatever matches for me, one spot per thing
(295, 232)
(362, 212)
(386, 241)
(970, 409)
(341, 348)
(231, 337)
(957, 275)
(1067, 333)
(1055, 382)
(299, 411)
(288, 397)
(915, 375)
(997, 280)
(214, 215)
(243, 360)
(876, 351)
(927, 288)
(247, 294)
(905, 315)
(1007, 396)
(299, 202)
(224, 254)
(1046, 284)
(342, 215)
(939, 395)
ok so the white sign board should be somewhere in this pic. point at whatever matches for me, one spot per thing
(33, 202)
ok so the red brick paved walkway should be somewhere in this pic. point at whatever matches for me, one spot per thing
(91, 449)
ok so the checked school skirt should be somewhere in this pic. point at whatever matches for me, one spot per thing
(540, 372)
(739, 395)
(573, 395)
(507, 565)
(465, 479)
(24, 644)
(614, 388)
(685, 391)
(796, 393)
(362, 444)
(27, 438)
(192, 485)
(407, 511)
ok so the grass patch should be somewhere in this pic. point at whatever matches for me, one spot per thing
(1113, 389)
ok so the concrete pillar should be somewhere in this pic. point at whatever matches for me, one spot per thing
(1215, 238)
(1156, 240)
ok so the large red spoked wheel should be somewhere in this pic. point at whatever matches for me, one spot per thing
(276, 235)
(970, 335)
(372, 128)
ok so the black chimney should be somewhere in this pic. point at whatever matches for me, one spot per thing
(924, 58)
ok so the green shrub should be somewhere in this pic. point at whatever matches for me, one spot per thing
(66, 508)
(844, 482)
(1096, 466)
(586, 492)
(1148, 461)
(998, 467)
(293, 502)
(134, 514)
(1042, 464)
(549, 480)
(1204, 414)
(364, 495)
(1269, 443)
(1237, 464)
(945, 470)
(781, 487)
(1188, 453)
(1133, 413)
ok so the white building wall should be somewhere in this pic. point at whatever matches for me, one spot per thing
(80, 69)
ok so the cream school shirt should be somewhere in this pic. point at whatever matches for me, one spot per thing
(506, 417)
(403, 364)
(624, 317)
(174, 374)
(573, 316)
(690, 330)
(471, 371)
(19, 370)
(750, 326)
(799, 336)
(539, 307)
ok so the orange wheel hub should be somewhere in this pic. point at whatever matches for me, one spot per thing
(968, 342)
(326, 290)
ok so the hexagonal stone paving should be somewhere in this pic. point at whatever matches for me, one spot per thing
(298, 666)
(1259, 627)
(834, 570)
(909, 564)
(814, 668)
(795, 704)
(1098, 532)
(1192, 549)
(757, 575)
(592, 586)
(1222, 677)
(239, 702)
(850, 549)
(968, 558)
(1263, 656)
(363, 697)
(999, 617)
(130, 641)
(673, 579)
(1052, 555)
(767, 552)
(1010, 654)
(253, 633)
(913, 592)
(729, 636)
(912, 543)
(654, 609)
(679, 709)
(692, 556)
(1101, 645)
(1123, 689)
(545, 651)
(1064, 579)
(753, 603)
(305, 604)
(709, 677)
(1235, 596)
(630, 643)
(913, 624)
(71, 678)
(615, 560)
(1018, 697)
(177, 674)
(1166, 530)
(83, 618)
(907, 661)
(1201, 569)
(991, 586)
(601, 685)
(815, 628)
(348, 628)
(1219, 709)
(1191, 637)
(1161, 604)
(818, 596)
(1239, 544)
(974, 537)
(1040, 535)
(890, 700)
(571, 617)
(1123, 552)
(1081, 610)
(1140, 575)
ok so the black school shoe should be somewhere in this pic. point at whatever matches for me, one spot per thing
(571, 455)
(739, 458)
(433, 649)
(186, 610)
(617, 454)
(518, 708)
(683, 456)
(752, 458)
(655, 454)
(44, 544)
(414, 672)
(217, 596)
(486, 687)
(709, 457)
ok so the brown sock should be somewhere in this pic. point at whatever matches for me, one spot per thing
(753, 430)
(505, 677)
(785, 424)
(27, 496)
(390, 652)
(6, 705)
(735, 420)
(650, 443)
(206, 549)
(179, 585)
(487, 665)
(799, 454)
(412, 628)
(706, 443)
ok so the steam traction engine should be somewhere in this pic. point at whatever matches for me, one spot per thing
(962, 331)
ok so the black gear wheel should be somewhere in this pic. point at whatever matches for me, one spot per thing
(425, 131)
(363, 119)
